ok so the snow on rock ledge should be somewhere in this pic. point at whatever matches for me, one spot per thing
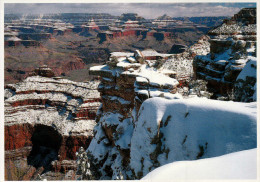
(232, 44)
(66, 107)
(125, 83)
(245, 85)
(175, 130)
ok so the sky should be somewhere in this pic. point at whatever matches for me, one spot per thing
(147, 10)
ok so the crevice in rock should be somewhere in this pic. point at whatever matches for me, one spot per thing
(46, 142)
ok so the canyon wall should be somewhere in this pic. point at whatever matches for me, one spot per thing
(232, 45)
(136, 133)
(126, 81)
(48, 118)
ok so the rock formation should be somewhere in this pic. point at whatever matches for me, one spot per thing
(182, 63)
(136, 133)
(232, 45)
(47, 119)
(245, 85)
(126, 81)
(189, 129)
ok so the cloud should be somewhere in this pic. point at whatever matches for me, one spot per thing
(147, 10)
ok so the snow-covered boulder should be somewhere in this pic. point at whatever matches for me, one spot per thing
(176, 130)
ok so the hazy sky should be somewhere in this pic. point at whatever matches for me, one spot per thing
(147, 10)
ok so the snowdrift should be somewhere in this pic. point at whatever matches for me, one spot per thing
(177, 130)
(238, 165)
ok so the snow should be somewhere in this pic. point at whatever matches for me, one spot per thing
(221, 62)
(156, 78)
(142, 92)
(252, 49)
(165, 71)
(238, 165)
(110, 119)
(13, 38)
(45, 117)
(98, 144)
(124, 63)
(141, 80)
(34, 96)
(234, 28)
(106, 68)
(65, 96)
(179, 65)
(240, 61)
(58, 89)
(144, 73)
(125, 129)
(151, 52)
(83, 127)
(107, 79)
(249, 70)
(187, 126)
(101, 67)
(165, 94)
(131, 59)
(122, 54)
(119, 99)
(223, 56)
(90, 104)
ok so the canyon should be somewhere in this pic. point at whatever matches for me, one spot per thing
(145, 121)
(71, 43)
(141, 109)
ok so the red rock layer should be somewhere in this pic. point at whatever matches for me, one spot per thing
(19, 136)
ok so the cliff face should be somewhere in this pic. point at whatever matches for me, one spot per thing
(136, 133)
(126, 81)
(50, 118)
(245, 85)
(232, 45)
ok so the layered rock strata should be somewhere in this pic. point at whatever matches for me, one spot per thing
(232, 45)
(45, 113)
(134, 134)
(126, 81)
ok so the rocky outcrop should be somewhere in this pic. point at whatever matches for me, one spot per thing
(245, 85)
(136, 133)
(51, 116)
(231, 46)
(182, 63)
(44, 71)
(126, 81)
(189, 129)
